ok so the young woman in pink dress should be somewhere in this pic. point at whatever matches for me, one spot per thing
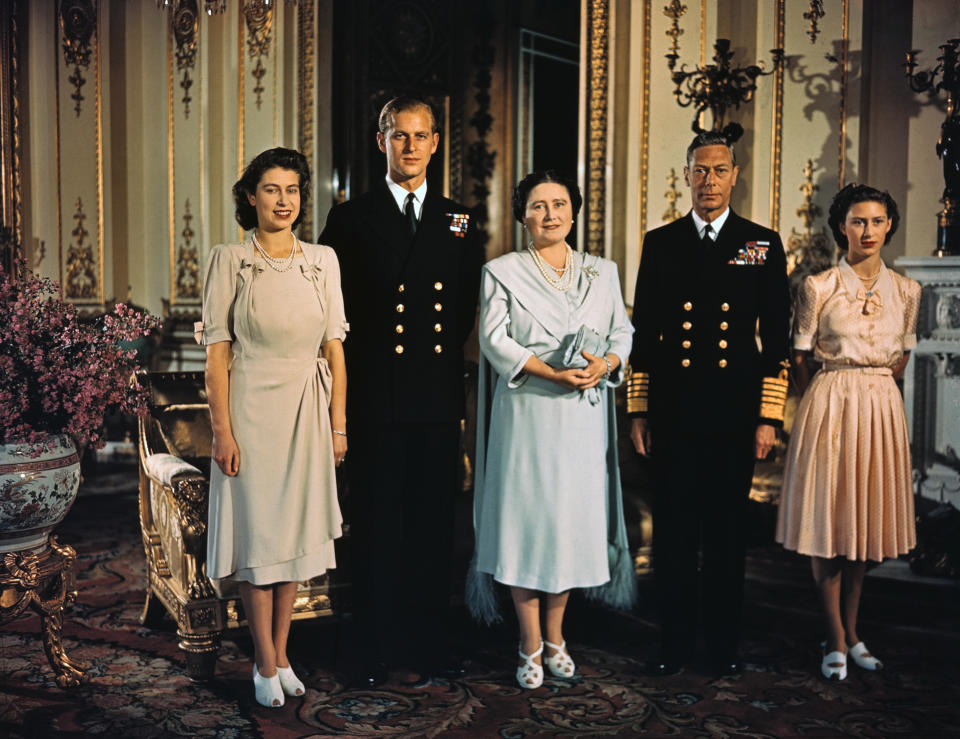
(847, 494)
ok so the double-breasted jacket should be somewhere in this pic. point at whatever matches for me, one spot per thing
(711, 348)
(411, 302)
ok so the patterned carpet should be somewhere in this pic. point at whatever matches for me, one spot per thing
(137, 687)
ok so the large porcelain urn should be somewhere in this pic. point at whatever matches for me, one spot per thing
(38, 484)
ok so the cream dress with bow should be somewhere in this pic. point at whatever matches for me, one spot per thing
(277, 519)
(847, 487)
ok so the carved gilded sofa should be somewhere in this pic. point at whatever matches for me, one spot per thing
(175, 439)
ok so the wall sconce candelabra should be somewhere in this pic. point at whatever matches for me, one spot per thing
(215, 7)
(718, 87)
(948, 146)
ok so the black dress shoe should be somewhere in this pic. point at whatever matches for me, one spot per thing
(447, 668)
(370, 676)
(663, 668)
(730, 665)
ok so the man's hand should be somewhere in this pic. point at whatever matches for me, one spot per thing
(765, 439)
(640, 436)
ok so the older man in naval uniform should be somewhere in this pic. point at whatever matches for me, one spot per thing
(705, 400)
(410, 261)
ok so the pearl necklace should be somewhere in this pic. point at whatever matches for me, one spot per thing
(280, 264)
(564, 276)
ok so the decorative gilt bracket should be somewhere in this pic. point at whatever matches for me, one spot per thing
(259, 18)
(188, 260)
(672, 195)
(186, 26)
(674, 11)
(81, 275)
(78, 25)
(808, 252)
(814, 15)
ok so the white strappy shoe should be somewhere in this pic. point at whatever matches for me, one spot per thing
(530, 674)
(834, 666)
(267, 689)
(291, 684)
(866, 661)
(560, 664)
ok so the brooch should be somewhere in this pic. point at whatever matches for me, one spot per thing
(753, 252)
(591, 272)
(459, 222)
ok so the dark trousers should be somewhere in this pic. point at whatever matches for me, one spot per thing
(403, 479)
(699, 519)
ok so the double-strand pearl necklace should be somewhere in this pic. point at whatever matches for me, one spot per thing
(280, 264)
(561, 278)
(868, 282)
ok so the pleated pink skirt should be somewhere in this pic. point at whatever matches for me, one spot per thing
(847, 487)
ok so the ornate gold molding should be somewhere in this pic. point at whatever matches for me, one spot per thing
(672, 195)
(188, 260)
(78, 26)
(845, 50)
(259, 18)
(11, 185)
(81, 264)
(185, 23)
(703, 32)
(810, 249)
(776, 139)
(598, 46)
(307, 49)
(645, 123)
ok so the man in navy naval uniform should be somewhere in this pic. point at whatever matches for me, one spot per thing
(705, 400)
(410, 262)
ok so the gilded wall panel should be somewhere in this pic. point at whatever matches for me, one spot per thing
(80, 27)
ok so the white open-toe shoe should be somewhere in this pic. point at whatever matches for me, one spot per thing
(267, 689)
(834, 666)
(560, 664)
(289, 681)
(530, 674)
(866, 661)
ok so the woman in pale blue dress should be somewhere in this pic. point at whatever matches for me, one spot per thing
(548, 514)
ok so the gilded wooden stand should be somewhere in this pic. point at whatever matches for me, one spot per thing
(45, 582)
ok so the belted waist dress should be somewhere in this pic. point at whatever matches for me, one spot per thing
(276, 520)
(847, 489)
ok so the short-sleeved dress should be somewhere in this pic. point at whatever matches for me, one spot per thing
(847, 487)
(276, 520)
(547, 497)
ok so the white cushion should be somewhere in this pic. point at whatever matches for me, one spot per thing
(165, 467)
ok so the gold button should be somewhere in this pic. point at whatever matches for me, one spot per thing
(437, 327)
(398, 348)
(401, 288)
(685, 362)
(685, 344)
(437, 307)
(438, 349)
(688, 305)
(725, 307)
(724, 325)
(687, 325)
(438, 286)
(400, 308)
(399, 328)
(723, 343)
(722, 363)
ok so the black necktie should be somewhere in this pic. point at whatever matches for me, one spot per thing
(411, 214)
(705, 240)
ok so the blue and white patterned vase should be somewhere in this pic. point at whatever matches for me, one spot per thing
(38, 484)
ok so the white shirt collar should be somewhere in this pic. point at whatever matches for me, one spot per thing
(400, 195)
(716, 224)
